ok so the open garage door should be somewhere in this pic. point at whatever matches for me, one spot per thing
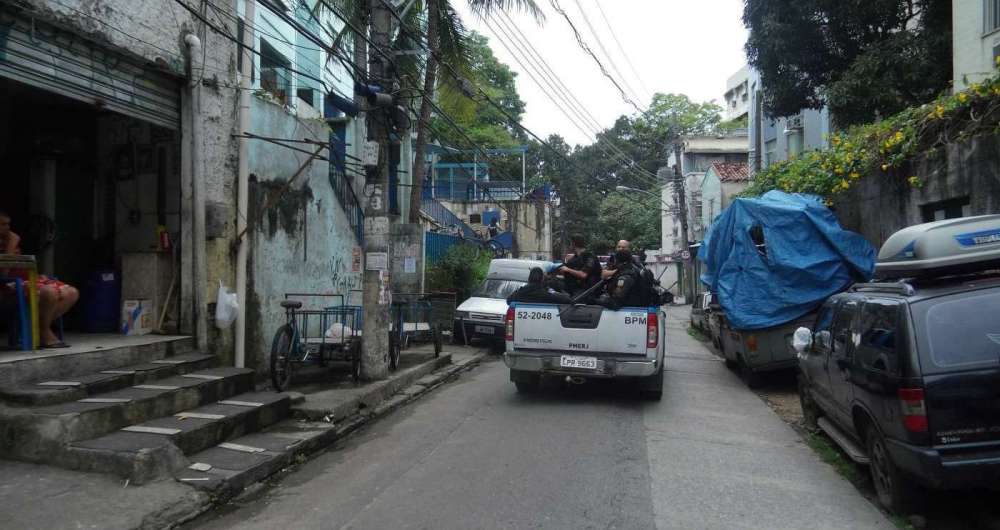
(49, 57)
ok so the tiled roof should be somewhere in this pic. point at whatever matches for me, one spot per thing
(732, 172)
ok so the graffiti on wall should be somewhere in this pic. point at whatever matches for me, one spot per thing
(344, 280)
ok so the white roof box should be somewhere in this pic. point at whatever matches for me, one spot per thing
(942, 247)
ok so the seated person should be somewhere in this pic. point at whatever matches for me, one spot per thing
(536, 292)
(55, 298)
(623, 288)
(622, 246)
(581, 271)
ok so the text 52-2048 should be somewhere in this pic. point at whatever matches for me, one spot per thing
(534, 315)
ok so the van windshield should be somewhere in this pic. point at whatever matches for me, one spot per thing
(498, 288)
(959, 332)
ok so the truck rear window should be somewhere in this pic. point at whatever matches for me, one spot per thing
(959, 332)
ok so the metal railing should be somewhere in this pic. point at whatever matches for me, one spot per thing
(445, 217)
(349, 201)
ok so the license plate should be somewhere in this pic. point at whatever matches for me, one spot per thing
(570, 361)
(485, 330)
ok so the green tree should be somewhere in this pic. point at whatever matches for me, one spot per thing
(445, 40)
(633, 217)
(863, 58)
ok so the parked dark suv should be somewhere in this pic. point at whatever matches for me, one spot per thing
(905, 377)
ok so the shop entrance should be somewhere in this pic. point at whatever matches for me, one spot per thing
(95, 196)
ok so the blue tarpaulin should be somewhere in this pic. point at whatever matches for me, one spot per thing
(773, 259)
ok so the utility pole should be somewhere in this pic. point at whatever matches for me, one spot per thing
(376, 284)
(686, 282)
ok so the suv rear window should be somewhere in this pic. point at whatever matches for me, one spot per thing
(959, 332)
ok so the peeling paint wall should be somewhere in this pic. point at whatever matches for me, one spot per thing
(301, 240)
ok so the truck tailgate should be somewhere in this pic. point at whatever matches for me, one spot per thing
(583, 329)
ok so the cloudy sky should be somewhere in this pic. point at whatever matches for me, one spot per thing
(683, 46)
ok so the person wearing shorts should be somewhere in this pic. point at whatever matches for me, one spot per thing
(55, 298)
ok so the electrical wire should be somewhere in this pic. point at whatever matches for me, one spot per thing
(600, 44)
(557, 86)
(586, 48)
(621, 49)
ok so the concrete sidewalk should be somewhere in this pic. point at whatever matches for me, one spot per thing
(719, 457)
(43, 497)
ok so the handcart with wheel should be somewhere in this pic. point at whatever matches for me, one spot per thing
(329, 334)
(416, 317)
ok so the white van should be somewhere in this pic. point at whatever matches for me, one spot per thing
(481, 316)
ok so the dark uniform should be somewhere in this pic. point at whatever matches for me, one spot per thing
(624, 289)
(587, 262)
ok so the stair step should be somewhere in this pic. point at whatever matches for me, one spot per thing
(54, 391)
(156, 447)
(231, 467)
(853, 450)
(36, 433)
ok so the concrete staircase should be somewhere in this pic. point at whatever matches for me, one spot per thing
(140, 421)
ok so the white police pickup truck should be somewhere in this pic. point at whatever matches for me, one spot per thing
(582, 342)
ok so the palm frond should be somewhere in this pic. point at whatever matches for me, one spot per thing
(482, 8)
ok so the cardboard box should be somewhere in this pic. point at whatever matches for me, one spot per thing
(137, 317)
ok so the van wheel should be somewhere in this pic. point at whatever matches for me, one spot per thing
(895, 493)
(810, 410)
(749, 377)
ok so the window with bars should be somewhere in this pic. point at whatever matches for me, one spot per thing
(991, 15)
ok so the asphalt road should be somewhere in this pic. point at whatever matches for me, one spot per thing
(475, 454)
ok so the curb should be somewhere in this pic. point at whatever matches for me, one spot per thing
(307, 438)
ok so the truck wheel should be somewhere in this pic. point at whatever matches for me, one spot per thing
(749, 377)
(652, 386)
(894, 491)
(526, 382)
(810, 410)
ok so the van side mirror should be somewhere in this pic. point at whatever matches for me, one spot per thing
(802, 340)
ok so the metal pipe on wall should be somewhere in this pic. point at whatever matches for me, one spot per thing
(197, 196)
(243, 178)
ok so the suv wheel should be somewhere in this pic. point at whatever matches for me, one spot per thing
(894, 492)
(810, 410)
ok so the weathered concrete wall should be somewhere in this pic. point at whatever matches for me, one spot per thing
(879, 205)
(302, 241)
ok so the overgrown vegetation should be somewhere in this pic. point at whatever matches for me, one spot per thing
(886, 148)
(462, 269)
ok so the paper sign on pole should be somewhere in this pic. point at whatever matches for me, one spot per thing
(377, 261)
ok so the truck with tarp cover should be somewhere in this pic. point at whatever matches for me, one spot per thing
(771, 261)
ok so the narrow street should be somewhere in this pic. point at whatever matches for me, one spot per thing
(475, 454)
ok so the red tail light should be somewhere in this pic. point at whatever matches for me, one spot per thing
(911, 401)
(752, 342)
(652, 330)
(509, 323)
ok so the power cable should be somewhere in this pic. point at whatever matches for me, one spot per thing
(600, 44)
(621, 48)
(557, 86)
(586, 48)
